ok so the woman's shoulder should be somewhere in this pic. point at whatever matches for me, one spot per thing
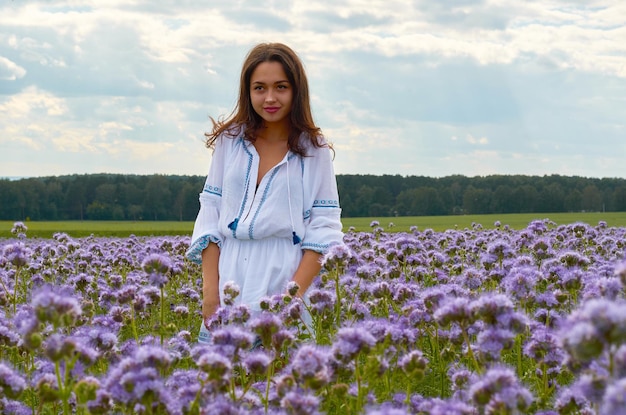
(314, 144)
(230, 136)
(233, 131)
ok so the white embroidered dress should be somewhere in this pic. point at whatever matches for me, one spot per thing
(262, 231)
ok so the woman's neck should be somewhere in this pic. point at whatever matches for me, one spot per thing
(274, 132)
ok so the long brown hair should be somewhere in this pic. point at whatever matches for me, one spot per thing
(300, 117)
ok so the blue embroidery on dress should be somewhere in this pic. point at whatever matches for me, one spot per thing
(194, 253)
(214, 190)
(307, 214)
(326, 203)
(245, 194)
(320, 248)
(263, 198)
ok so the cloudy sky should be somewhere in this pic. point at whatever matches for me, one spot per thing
(410, 87)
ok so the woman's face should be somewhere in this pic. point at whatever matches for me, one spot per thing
(271, 93)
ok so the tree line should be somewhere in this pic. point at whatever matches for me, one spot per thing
(170, 197)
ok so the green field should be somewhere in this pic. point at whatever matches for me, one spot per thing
(437, 223)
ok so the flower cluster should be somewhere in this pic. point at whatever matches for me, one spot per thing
(465, 321)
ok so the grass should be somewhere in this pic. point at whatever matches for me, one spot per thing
(400, 224)
(514, 220)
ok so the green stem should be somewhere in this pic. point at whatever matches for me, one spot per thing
(408, 391)
(518, 346)
(544, 372)
(7, 292)
(338, 300)
(17, 273)
(61, 386)
(162, 326)
(194, 408)
(270, 374)
(359, 392)
(133, 323)
(470, 353)
(440, 363)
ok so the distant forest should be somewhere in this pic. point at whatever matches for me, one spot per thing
(162, 197)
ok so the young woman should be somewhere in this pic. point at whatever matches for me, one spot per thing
(269, 208)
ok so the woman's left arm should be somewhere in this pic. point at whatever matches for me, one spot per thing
(308, 269)
(323, 225)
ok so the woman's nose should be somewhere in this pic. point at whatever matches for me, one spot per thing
(270, 96)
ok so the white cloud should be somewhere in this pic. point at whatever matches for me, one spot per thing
(9, 70)
(30, 103)
(399, 86)
(480, 141)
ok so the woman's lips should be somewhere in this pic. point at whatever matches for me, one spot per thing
(271, 110)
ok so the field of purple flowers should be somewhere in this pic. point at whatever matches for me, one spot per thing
(469, 321)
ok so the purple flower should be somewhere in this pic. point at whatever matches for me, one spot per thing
(234, 337)
(610, 288)
(46, 387)
(239, 313)
(492, 308)
(591, 386)
(596, 324)
(257, 362)
(184, 386)
(283, 338)
(216, 365)
(137, 378)
(543, 347)
(322, 301)
(265, 325)
(520, 282)
(620, 362)
(614, 401)
(300, 403)
(11, 383)
(231, 291)
(499, 385)
(491, 341)
(456, 310)
(620, 272)
(337, 257)
(350, 342)
(573, 259)
(413, 363)
(460, 379)
(437, 406)
(292, 288)
(500, 249)
(17, 254)
(582, 341)
(293, 312)
(8, 336)
(157, 266)
(18, 228)
(55, 308)
(310, 367)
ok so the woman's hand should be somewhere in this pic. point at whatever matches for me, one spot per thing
(308, 269)
(210, 304)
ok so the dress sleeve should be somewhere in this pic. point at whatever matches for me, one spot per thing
(206, 229)
(322, 216)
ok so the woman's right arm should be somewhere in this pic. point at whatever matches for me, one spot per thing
(210, 281)
(206, 238)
